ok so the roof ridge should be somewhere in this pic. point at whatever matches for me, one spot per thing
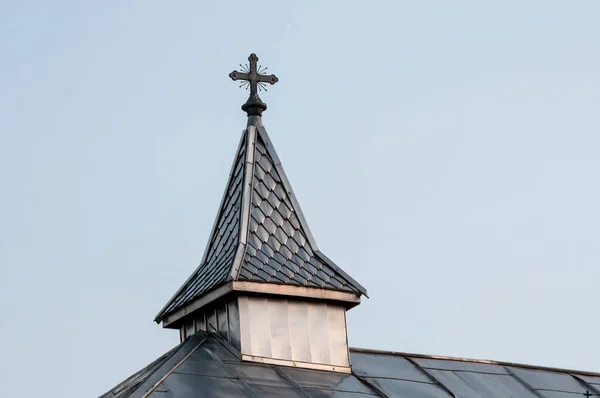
(182, 352)
(132, 382)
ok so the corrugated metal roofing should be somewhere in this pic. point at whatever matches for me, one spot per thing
(278, 246)
(205, 365)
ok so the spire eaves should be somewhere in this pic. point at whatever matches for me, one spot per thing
(315, 271)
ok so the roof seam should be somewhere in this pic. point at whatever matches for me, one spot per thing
(208, 374)
(226, 344)
(237, 377)
(399, 378)
(295, 386)
(328, 389)
(523, 382)
(432, 377)
(124, 385)
(373, 387)
(465, 371)
(174, 368)
(591, 386)
(553, 390)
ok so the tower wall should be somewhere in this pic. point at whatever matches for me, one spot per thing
(282, 331)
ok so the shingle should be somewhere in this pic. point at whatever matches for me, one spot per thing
(222, 246)
(276, 235)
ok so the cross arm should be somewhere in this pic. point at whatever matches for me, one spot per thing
(272, 79)
(235, 75)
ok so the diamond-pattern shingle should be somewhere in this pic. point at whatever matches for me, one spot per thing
(222, 245)
(277, 248)
(277, 243)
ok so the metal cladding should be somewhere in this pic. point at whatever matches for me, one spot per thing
(294, 332)
(279, 331)
(260, 233)
(206, 365)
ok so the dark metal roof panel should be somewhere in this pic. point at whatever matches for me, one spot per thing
(265, 381)
(406, 388)
(394, 376)
(386, 366)
(446, 364)
(126, 388)
(205, 364)
(326, 382)
(593, 380)
(546, 382)
(470, 384)
(184, 385)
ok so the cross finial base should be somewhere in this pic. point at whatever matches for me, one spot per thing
(254, 106)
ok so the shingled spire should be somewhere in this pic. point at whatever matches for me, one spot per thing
(260, 243)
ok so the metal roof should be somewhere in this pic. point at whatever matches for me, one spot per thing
(260, 233)
(205, 365)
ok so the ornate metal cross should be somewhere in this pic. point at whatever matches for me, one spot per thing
(252, 77)
(587, 394)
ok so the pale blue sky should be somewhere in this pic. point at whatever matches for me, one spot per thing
(445, 154)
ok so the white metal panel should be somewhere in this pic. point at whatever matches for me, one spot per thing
(299, 333)
(245, 341)
(338, 338)
(281, 346)
(293, 330)
(260, 328)
(318, 327)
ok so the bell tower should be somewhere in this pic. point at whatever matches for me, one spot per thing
(262, 283)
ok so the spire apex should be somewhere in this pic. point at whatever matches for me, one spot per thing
(252, 78)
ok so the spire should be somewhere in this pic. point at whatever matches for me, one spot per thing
(260, 238)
